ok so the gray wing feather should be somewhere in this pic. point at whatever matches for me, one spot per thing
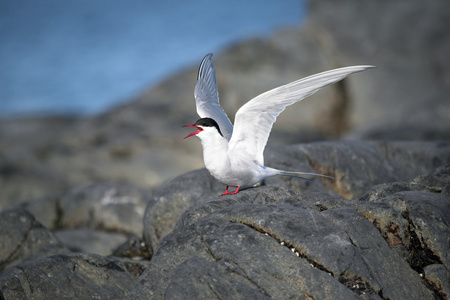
(207, 97)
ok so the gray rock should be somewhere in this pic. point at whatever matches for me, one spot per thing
(270, 242)
(95, 218)
(377, 258)
(436, 181)
(380, 246)
(106, 206)
(237, 252)
(417, 217)
(23, 177)
(260, 195)
(439, 277)
(71, 276)
(400, 132)
(426, 234)
(23, 238)
(209, 280)
(414, 158)
(92, 241)
(406, 92)
(46, 210)
(173, 199)
(355, 165)
(134, 248)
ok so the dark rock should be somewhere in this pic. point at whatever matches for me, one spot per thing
(385, 189)
(260, 195)
(427, 235)
(96, 217)
(23, 177)
(411, 159)
(23, 238)
(46, 210)
(106, 206)
(270, 242)
(71, 276)
(378, 258)
(92, 241)
(173, 199)
(438, 276)
(416, 218)
(436, 181)
(406, 91)
(133, 248)
(209, 280)
(355, 165)
(237, 252)
(401, 132)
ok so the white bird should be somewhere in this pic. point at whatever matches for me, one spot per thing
(234, 156)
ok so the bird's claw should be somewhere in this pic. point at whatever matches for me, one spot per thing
(232, 193)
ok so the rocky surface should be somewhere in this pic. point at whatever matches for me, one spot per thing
(270, 242)
(36, 263)
(276, 241)
(70, 276)
(355, 165)
(23, 238)
(373, 232)
(96, 217)
(74, 192)
(107, 206)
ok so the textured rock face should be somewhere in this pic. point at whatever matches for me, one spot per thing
(96, 217)
(384, 236)
(391, 242)
(269, 242)
(71, 276)
(112, 207)
(23, 238)
(355, 165)
(37, 264)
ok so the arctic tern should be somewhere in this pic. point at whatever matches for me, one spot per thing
(234, 155)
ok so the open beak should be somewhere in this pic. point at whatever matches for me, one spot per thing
(199, 129)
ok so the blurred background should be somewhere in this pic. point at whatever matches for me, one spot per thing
(97, 91)
(83, 57)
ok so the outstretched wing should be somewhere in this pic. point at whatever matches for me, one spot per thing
(254, 120)
(207, 97)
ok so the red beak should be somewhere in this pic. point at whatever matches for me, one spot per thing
(199, 129)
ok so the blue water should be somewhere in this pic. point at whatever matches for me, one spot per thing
(81, 57)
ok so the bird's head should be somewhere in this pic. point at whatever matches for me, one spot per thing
(204, 125)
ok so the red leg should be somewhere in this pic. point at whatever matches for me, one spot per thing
(228, 193)
(236, 191)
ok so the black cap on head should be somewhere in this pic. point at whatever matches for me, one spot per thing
(208, 122)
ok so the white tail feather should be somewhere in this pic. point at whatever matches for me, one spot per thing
(301, 174)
